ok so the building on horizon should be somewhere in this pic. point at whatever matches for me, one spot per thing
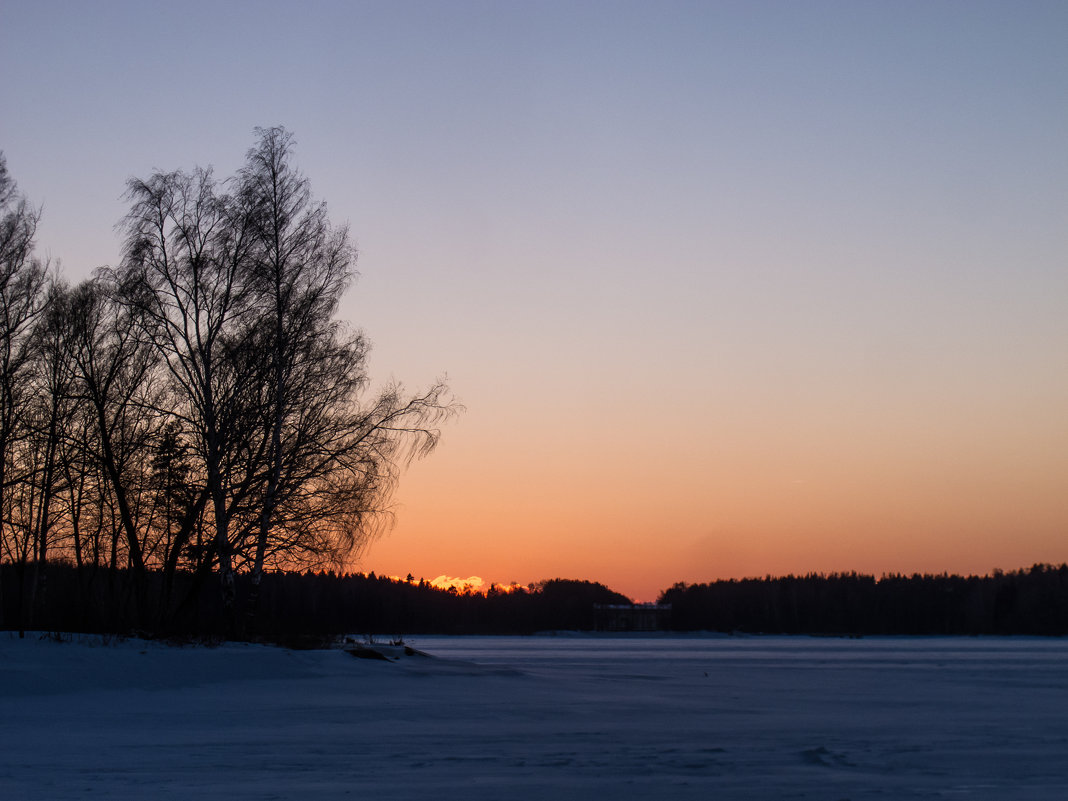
(631, 617)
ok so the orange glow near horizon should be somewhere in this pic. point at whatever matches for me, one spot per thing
(469, 584)
(896, 498)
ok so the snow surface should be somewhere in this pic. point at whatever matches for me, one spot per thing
(563, 717)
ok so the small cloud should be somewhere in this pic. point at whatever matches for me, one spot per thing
(473, 583)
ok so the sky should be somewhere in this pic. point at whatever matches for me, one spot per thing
(727, 288)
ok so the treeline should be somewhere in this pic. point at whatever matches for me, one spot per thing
(197, 409)
(319, 604)
(297, 605)
(1033, 601)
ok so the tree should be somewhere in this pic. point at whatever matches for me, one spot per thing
(48, 413)
(23, 282)
(300, 266)
(117, 385)
(186, 275)
(200, 407)
(328, 463)
(237, 292)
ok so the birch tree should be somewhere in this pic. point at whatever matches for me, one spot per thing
(23, 282)
(236, 286)
(330, 460)
(186, 271)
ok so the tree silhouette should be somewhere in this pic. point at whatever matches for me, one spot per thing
(23, 282)
(237, 293)
(198, 408)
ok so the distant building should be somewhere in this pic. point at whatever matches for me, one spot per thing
(631, 617)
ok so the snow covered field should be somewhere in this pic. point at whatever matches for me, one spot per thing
(567, 717)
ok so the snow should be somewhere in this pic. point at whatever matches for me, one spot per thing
(575, 717)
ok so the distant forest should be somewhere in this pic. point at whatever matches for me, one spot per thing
(1033, 601)
(296, 606)
(312, 606)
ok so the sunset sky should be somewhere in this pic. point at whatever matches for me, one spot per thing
(727, 288)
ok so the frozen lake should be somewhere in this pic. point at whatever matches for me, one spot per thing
(566, 717)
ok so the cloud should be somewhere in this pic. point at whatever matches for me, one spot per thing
(445, 582)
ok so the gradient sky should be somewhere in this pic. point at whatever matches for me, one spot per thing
(727, 289)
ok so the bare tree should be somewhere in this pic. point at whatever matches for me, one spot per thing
(300, 268)
(200, 407)
(23, 281)
(117, 374)
(186, 272)
(238, 293)
(49, 412)
(328, 463)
